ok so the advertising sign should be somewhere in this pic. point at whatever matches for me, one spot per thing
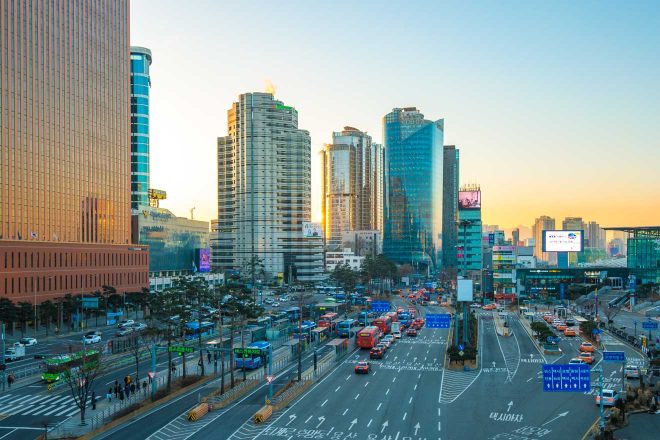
(203, 259)
(312, 230)
(563, 241)
(464, 290)
(469, 199)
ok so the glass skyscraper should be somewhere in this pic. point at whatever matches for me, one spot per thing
(140, 84)
(413, 157)
(450, 206)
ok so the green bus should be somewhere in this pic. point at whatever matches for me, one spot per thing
(57, 365)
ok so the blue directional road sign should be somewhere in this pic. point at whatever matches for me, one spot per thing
(614, 356)
(380, 306)
(650, 325)
(564, 377)
(438, 320)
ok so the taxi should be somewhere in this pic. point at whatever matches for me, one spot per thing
(569, 332)
(587, 357)
(587, 346)
(562, 327)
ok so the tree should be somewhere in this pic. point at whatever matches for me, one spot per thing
(239, 305)
(8, 310)
(301, 298)
(81, 379)
(47, 310)
(25, 313)
(346, 277)
(165, 306)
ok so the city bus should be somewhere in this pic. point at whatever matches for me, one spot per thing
(253, 361)
(56, 366)
(293, 313)
(368, 337)
(327, 320)
(193, 329)
(384, 323)
(347, 328)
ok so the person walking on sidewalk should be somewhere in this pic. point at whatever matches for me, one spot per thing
(109, 395)
(93, 399)
(144, 387)
(133, 388)
(10, 380)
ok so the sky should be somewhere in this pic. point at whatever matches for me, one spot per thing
(553, 105)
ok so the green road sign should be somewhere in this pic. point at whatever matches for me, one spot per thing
(247, 351)
(180, 349)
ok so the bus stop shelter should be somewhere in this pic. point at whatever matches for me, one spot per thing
(340, 345)
(321, 334)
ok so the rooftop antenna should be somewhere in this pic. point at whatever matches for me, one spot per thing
(192, 213)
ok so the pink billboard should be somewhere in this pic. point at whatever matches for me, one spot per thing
(469, 199)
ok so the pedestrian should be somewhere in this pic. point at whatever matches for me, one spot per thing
(208, 356)
(127, 390)
(133, 388)
(93, 399)
(10, 380)
(109, 395)
(121, 396)
(144, 386)
(173, 370)
(116, 388)
(149, 378)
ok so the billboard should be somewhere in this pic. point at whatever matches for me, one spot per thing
(464, 291)
(203, 259)
(563, 241)
(312, 230)
(469, 200)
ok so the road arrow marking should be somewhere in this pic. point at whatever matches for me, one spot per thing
(352, 424)
(552, 420)
(385, 425)
(494, 364)
(510, 405)
(417, 428)
(292, 417)
(321, 420)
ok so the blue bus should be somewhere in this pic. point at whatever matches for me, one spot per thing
(293, 313)
(193, 329)
(405, 318)
(306, 327)
(348, 328)
(256, 360)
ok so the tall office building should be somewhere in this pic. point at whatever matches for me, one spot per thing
(450, 181)
(543, 223)
(352, 192)
(595, 236)
(65, 213)
(413, 207)
(264, 191)
(470, 238)
(140, 84)
(573, 223)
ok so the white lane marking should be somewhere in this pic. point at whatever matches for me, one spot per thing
(374, 373)
(348, 377)
(387, 392)
(324, 402)
(366, 383)
(345, 411)
(415, 386)
(438, 412)
(379, 405)
(530, 379)
(439, 426)
(338, 388)
(308, 419)
(405, 415)
(356, 397)
(394, 380)
(410, 401)
(369, 424)
(419, 376)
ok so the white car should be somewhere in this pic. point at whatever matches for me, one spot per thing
(475, 306)
(28, 342)
(126, 323)
(397, 335)
(138, 327)
(91, 339)
(275, 304)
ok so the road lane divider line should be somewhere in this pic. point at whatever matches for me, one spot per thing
(324, 402)
(337, 389)
(379, 405)
(345, 411)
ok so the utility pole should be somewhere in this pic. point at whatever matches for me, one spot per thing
(3, 365)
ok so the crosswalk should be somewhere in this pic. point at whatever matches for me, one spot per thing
(38, 405)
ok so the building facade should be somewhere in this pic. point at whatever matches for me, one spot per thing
(172, 240)
(353, 185)
(140, 85)
(596, 237)
(343, 257)
(504, 265)
(543, 223)
(264, 191)
(363, 243)
(413, 208)
(450, 181)
(65, 213)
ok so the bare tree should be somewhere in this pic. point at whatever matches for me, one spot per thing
(86, 367)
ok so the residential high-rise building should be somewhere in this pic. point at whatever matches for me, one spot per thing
(573, 223)
(65, 173)
(515, 237)
(595, 236)
(264, 191)
(543, 223)
(140, 84)
(352, 192)
(450, 179)
(413, 207)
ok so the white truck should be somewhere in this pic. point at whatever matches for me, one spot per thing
(396, 330)
(15, 352)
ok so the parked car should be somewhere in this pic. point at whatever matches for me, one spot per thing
(94, 332)
(28, 342)
(126, 323)
(139, 326)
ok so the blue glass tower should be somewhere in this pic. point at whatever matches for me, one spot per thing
(413, 208)
(140, 84)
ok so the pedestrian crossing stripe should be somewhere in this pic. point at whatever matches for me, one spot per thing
(38, 405)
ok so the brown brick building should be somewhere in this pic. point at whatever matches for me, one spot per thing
(65, 220)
